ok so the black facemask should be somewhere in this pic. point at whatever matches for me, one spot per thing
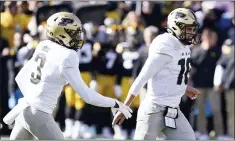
(189, 33)
(78, 38)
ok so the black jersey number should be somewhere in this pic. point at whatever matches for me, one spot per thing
(183, 73)
(36, 76)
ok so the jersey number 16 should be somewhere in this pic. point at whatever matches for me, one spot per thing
(183, 72)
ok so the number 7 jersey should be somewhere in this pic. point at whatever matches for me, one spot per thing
(169, 85)
(41, 79)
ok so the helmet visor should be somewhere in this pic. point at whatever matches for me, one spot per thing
(77, 37)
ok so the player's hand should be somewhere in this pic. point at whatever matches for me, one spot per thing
(118, 91)
(125, 110)
(192, 93)
(118, 119)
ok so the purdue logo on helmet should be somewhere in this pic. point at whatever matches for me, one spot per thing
(66, 29)
(183, 24)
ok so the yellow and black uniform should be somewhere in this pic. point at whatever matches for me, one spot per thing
(113, 11)
(128, 57)
(11, 23)
(106, 64)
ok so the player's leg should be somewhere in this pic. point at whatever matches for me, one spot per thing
(20, 133)
(97, 112)
(201, 119)
(107, 115)
(135, 108)
(48, 131)
(215, 103)
(103, 115)
(120, 131)
(129, 125)
(230, 111)
(79, 105)
(80, 113)
(183, 129)
(42, 125)
(69, 111)
(132, 123)
(150, 121)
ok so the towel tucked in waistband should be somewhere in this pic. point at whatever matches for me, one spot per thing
(11, 116)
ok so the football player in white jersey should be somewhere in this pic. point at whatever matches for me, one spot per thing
(166, 70)
(53, 65)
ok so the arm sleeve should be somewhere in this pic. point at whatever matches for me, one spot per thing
(72, 75)
(69, 70)
(152, 66)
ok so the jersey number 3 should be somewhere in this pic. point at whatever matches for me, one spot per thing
(36, 76)
(183, 72)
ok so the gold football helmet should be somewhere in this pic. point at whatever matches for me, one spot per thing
(65, 29)
(183, 24)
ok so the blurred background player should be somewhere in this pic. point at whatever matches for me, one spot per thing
(13, 22)
(128, 55)
(224, 81)
(106, 70)
(204, 58)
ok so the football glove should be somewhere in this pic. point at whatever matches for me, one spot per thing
(125, 110)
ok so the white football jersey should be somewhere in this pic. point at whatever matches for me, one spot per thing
(41, 80)
(169, 85)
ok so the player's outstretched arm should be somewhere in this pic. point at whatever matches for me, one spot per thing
(151, 67)
(72, 75)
